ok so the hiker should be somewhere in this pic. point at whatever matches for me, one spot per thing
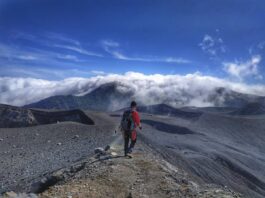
(129, 123)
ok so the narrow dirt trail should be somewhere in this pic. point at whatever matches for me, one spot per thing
(144, 175)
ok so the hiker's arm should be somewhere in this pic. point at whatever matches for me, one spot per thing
(137, 120)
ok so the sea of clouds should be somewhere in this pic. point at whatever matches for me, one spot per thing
(186, 90)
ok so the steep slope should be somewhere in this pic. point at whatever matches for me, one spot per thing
(216, 148)
(11, 117)
(107, 97)
(228, 98)
(15, 117)
(163, 109)
(254, 108)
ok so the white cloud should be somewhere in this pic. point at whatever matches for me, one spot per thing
(212, 45)
(261, 45)
(40, 72)
(109, 43)
(191, 89)
(14, 53)
(56, 40)
(77, 49)
(176, 60)
(96, 72)
(69, 57)
(241, 70)
(27, 57)
(59, 37)
(112, 48)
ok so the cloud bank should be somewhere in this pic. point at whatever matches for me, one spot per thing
(241, 70)
(190, 89)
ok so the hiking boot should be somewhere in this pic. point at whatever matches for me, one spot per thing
(130, 150)
(128, 156)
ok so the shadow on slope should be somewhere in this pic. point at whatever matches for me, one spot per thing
(168, 128)
(255, 108)
(163, 109)
(76, 115)
(229, 153)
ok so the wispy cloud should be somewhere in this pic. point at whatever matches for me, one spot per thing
(56, 40)
(60, 37)
(42, 72)
(176, 60)
(46, 37)
(27, 57)
(97, 72)
(109, 43)
(15, 53)
(112, 47)
(261, 45)
(69, 57)
(257, 48)
(79, 50)
(25, 72)
(72, 49)
(212, 45)
(242, 70)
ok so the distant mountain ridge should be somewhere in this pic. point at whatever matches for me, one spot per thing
(104, 98)
(113, 96)
(163, 109)
(233, 99)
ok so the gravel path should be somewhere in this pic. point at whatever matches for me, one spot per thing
(145, 175)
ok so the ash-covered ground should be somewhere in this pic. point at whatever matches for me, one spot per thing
(212, 146)
(27, 153)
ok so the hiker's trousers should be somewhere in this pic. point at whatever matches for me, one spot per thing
(127, 137)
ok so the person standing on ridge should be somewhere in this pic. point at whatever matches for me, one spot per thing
(129, 123)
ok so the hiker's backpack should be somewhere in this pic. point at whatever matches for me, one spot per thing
(127, 123)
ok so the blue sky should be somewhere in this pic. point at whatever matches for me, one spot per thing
(56, 39)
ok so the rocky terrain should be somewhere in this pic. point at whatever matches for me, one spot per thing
(29, 152)
(110, 174)
(192, 152)
(215, 147)
(11, 116)
(145, 175)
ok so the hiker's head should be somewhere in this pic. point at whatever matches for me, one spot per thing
(133, 105)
